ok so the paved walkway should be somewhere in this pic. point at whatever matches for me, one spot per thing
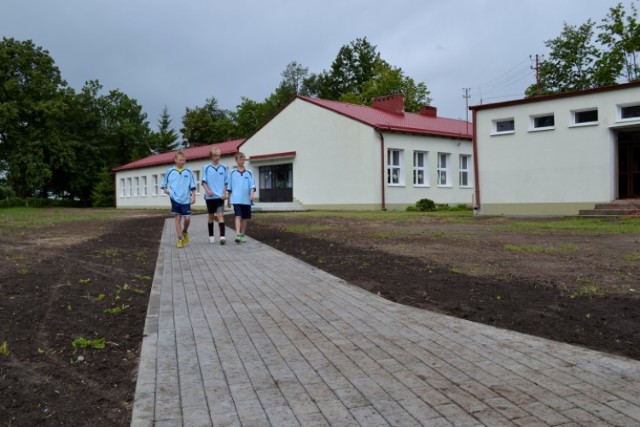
(244, 335)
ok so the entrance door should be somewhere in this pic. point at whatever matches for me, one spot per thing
(629, 165)
(276, 183)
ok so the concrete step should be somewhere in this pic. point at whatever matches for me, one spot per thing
(278, 207)
(626, 207)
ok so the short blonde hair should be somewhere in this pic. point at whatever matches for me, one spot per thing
(180, 153)
(214, 151)
(240, 154)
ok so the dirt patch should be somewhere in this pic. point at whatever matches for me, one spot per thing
(574, 287)
(86, 279)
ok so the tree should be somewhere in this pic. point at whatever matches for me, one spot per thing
(354, 65)
(166, 139)
(207, 125)
(388, 80)
(32, 105)
(293, 77)
(359, 74)
(621, 35)
(571, 63)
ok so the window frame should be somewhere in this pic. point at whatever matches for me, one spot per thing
(130, 187)
(621, 108)
(424, 169)
(196, 177)
(468, 171)
(444, 171)
(123, 188)
(393, 166)
(495, 126)
(534, 118)
(575, 113)
(156, 184)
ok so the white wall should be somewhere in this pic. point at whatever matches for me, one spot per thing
(337, 158)
(569, 164)
(451, 193)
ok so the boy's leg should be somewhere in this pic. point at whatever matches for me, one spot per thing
(185, 226)
(176, 219)
(238, 222)
(210, 219)
(221, 225)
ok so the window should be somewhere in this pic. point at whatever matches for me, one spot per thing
(546, 121)
(154, 180)
(628, 112)
(196, 177)
(136, 186)
(420, 168)
(162, 180)
(585, 117)
(123, 190)
(443, 170)
(394, 167)
(144, 185)
(503, 126)
(465, 170)
(130, 187)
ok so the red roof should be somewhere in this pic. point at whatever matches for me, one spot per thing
(194, 153)
(397, 122)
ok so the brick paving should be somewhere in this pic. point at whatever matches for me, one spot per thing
(244, 335)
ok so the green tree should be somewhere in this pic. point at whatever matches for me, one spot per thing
(388, 80)
(359, 74)
(166, 139)
(354, 65)
(104, 192)
(32, 106)
(621, 36)
(571, 62)
(207, 125)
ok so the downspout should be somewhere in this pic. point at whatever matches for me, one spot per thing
(476, 175)
(382, 170)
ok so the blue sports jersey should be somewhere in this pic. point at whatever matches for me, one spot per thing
(216, 178)
(240, 185)
(180, 184)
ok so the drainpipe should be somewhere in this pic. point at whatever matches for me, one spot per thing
(382, 170)
(476, 175)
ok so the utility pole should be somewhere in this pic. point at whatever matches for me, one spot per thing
(537, 68)
(466, 97)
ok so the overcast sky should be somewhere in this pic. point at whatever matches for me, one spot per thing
(178, 53)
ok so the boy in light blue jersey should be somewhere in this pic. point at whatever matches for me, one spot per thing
(180, 185)
(242, 189)
(214, 181)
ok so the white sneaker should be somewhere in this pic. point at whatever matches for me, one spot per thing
(212, 239)
(222, 240)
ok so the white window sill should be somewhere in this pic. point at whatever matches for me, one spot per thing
(509, 132)
(581, 125)
(542, 129)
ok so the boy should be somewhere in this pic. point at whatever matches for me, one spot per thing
(214, 181)
(242, 189)
(179, 184)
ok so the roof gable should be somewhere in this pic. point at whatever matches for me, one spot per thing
(404, 122)
(193, 153)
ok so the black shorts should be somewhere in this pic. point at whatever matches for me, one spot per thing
(243, 211)
(215, 205)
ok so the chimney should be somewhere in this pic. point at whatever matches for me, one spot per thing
(391, 103)
(428, 111)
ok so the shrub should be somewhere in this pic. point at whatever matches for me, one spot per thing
(425, 205)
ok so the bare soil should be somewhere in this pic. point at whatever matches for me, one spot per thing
(91, 279)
